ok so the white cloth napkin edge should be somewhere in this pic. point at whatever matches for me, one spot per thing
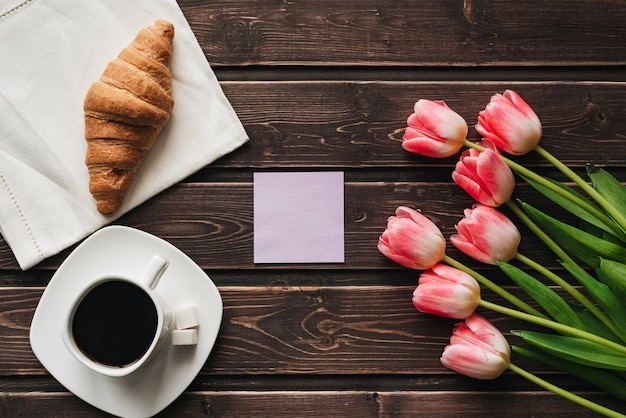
(14, 226)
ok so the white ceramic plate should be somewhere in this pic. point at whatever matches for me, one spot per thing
(126, 251)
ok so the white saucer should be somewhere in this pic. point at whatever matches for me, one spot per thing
(126, 251)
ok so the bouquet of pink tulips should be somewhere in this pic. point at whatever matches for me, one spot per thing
(585, 333)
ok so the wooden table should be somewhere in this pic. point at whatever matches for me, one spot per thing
(328, 85)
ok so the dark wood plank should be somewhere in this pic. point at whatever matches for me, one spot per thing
(447, 382)
(288, 404)
(360, 124)
(333, 330)
(425, 33)
(213, 223)
(344, 330)
(281, 330)
(496, 404)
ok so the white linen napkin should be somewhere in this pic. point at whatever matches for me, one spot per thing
(51, 51)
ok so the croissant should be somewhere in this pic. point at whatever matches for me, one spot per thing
(125, 110)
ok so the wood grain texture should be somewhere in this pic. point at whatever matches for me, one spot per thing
(214, 223)
(424, 33)
(342, 330)
(289, 404)
(345, 124)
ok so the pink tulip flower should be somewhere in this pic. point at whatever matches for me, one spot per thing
(434, 130)
(477, 349)
(412, 240)
(484, 175)
(510, 123)
(486, 235)
(446, 291)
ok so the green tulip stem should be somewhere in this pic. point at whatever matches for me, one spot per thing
(565, 394)
(572, 291)
(540, 233)
(556, 326)
(610, 209)
(523, 171)
(494, 287)
(563, 256)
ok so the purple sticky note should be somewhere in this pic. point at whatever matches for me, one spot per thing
(299, 217)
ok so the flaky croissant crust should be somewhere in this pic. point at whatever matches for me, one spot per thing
(125, 110)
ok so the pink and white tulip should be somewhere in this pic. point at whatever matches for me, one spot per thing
(434, 130)
(412, 240)
(486, 235)
(484, 175)
(477, 349)
(446, 291)
(510, 123)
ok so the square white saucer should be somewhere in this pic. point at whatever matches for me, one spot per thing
(126, 251)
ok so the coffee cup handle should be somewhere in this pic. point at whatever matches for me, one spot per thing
(153, 271)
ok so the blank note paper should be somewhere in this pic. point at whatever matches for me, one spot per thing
(299, 217)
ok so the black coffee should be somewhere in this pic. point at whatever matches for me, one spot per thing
(115, 323)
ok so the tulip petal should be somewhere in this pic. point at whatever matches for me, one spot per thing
(419, 219)
(522, 106)
(510, 123)
(434, 130)
(489, 333)
(486, 235)
(412, 240)
(446, 291)
(431, 148)
(437, 117)
(473, 362)
(398, 258)
(472, 188)
(472, 250)
(447, 301)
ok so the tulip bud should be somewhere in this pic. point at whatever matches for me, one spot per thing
(510, 123)
(412, 240)
(484, 175)
(477, 349)
(446, 291)
(434, 130)
(486, 235)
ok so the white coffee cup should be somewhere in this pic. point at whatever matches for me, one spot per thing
(116, 324)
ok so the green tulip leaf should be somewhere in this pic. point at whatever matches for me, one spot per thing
(609, 187)
(577, 350)
(602, 294)
(587, 247)
(606, 380)
(564, 200)
(613, 274)
(595, 326)
(547, 298)
(594, 230)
